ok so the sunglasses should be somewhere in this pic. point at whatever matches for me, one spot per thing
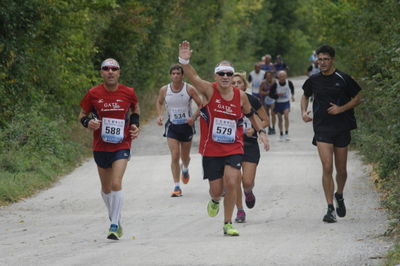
(106, 68)
(221, 74)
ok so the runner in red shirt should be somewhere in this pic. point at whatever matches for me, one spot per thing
(221, 139)
(106, 111)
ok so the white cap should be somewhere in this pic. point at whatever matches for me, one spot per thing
(110, 62)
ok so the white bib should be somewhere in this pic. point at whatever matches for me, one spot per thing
(224, 130)
(178, 116)
(112, 130)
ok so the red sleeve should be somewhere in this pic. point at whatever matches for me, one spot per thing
(86, 103)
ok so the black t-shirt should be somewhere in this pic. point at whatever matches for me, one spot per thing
(255, 105)
(338, 89)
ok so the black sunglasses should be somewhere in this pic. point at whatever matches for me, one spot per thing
(221, 74)
(106, 68)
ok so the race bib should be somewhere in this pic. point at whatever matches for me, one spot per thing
(179, 116)
(224, 130)
(112, 130)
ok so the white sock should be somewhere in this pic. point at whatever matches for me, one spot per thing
(177, 184)
(117, 198)
(107, 201)
(184, 169)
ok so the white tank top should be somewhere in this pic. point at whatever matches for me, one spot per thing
(283, 89)
(178, 105)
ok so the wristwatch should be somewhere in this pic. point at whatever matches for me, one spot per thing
(262, 130)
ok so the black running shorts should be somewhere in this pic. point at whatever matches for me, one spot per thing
(213, 167)
(105, 159)
(251, 152)
(182, 132)
(338, 139)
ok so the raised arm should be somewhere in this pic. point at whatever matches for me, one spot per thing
(204, 87)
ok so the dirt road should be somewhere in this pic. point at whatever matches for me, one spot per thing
(67, 224)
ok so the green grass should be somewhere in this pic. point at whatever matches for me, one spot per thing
(393, 257)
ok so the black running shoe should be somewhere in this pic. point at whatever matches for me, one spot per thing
(340, 207)
(330, 216)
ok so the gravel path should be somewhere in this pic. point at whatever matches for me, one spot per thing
(67, 224)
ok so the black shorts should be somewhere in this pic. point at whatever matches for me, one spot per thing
(338, 139)
(251, 152)
(105, 159)
(213, 167)
(182, 132)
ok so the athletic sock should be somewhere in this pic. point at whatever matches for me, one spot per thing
(177, 184)
(107, 201)
(116, 206)
(216, 202)
(339, 196)
(286, 132)
(185, 169)
(330, 207)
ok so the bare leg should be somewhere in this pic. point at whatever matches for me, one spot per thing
(286, 117)
(280, 122)
(230, 180)
(341, 167)
(185, 153)
(325, 151)
(249, 174)
(173, 145)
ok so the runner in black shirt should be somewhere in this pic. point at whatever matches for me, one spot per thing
(335, 95)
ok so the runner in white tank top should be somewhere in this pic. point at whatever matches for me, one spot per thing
(179, 128)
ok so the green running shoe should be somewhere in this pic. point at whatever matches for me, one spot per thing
(120, 232)
(229, 230)
(212, 208)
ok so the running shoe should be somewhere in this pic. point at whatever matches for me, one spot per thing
(240, 216)
(281, 138)
(113, 232)
(212, 208)
(330, 216)
(250, 199)
(229, 230)
(120, 232)
(185, 176)
(177, 192)
(286, 137)
(340, 207)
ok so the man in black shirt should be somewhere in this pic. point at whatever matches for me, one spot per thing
(335, 95)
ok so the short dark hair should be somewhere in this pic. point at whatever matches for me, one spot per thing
(175, 67)
(326, 49)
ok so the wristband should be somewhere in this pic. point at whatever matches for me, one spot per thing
(85, 121)
(134, 119)
(183, 61)
(250, 114)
